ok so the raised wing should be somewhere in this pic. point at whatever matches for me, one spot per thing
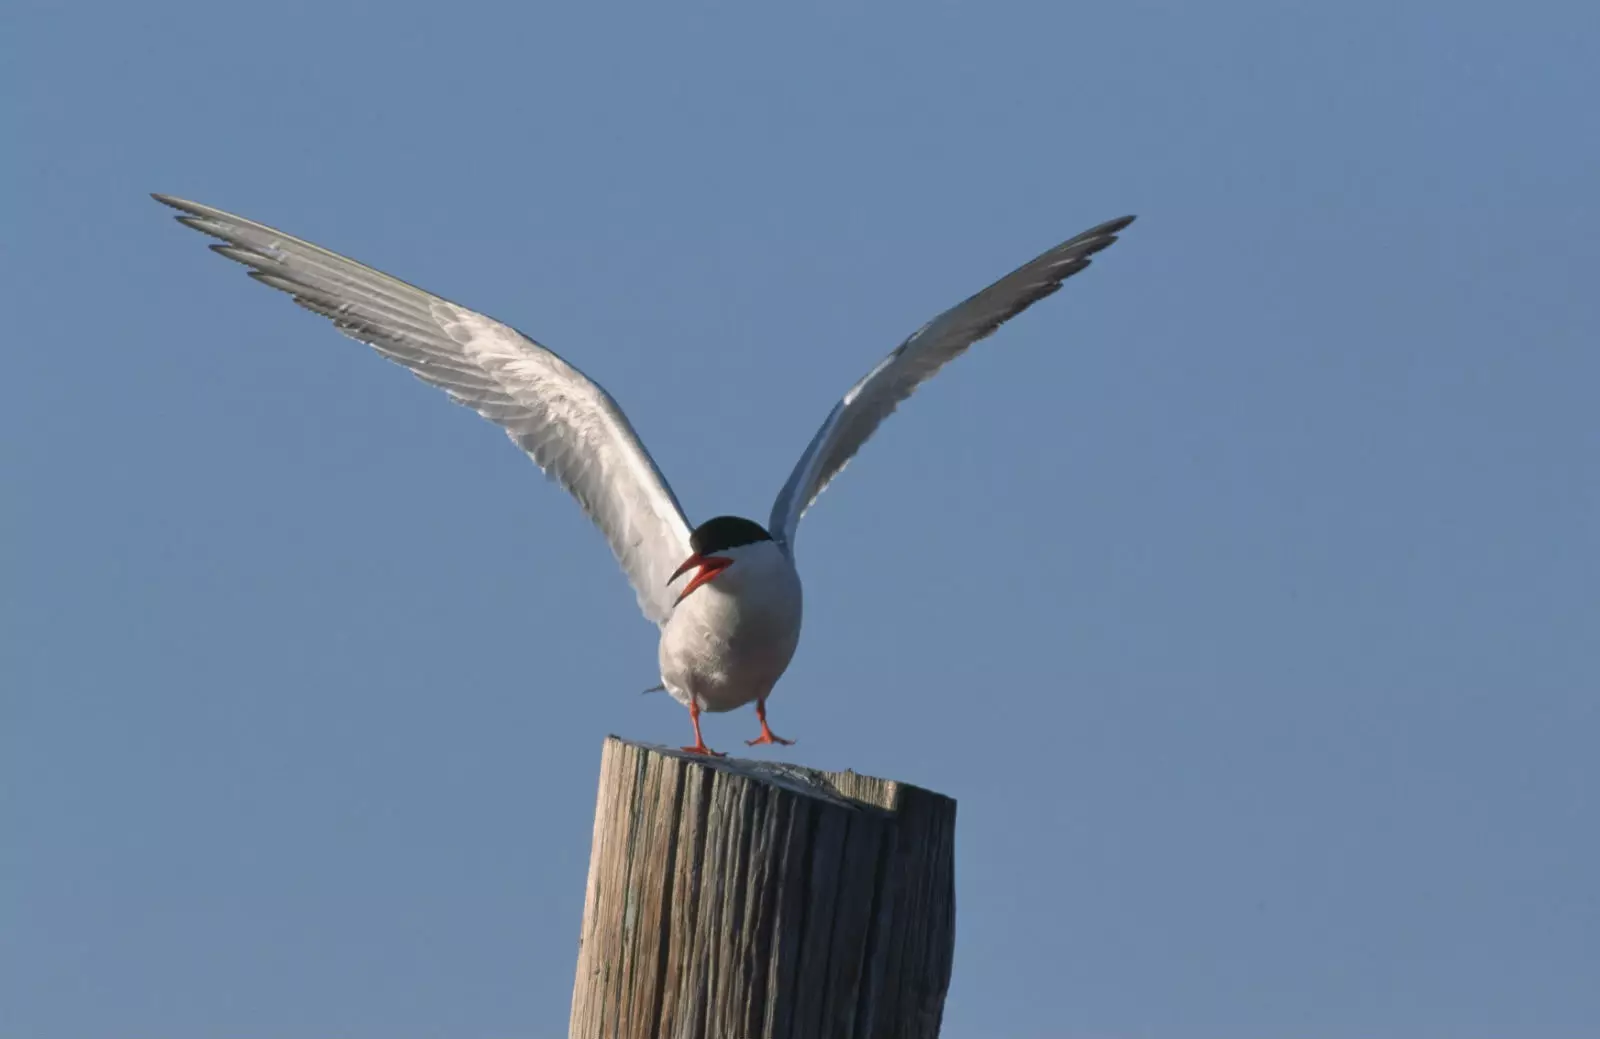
(567, 423)
(913, 362)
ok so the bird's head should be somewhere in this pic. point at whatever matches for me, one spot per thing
(714, 543)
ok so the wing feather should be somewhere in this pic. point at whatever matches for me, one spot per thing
(568, 424)
(857, 416)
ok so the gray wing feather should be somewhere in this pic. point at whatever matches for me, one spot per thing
(568, 424)
(857, 416)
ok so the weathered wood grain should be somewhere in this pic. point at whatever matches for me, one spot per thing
(736, 899)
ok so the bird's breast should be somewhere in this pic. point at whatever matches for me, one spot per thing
(730, 640)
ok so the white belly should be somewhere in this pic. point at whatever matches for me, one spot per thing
(730, 641)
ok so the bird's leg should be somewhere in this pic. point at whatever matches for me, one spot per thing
(699, 740)
(766, 733)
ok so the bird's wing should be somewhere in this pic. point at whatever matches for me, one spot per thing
(913, 362)
(567, 423)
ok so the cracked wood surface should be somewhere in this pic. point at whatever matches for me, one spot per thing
(737, 899)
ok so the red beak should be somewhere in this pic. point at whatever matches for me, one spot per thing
(710, 566)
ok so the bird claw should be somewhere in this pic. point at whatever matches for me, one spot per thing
(767, 737)
(701, 748)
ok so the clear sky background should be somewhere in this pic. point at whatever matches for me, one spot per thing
(1246, 593)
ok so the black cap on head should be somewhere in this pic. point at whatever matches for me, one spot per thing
(725, 532)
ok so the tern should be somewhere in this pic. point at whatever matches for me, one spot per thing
(725, 594)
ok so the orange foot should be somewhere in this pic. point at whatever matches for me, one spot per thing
(699, 740)
(766, 733)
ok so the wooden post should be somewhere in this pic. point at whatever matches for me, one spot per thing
(737, 899)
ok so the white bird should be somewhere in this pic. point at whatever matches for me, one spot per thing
(729, 631)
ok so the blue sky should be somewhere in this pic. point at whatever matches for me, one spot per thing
(1244, 593)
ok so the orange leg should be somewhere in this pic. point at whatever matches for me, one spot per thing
(766, 733)
(699, 740)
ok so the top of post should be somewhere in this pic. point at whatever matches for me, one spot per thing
(847, 788)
